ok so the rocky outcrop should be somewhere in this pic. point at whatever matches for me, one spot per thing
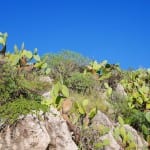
(120, 90)
(140, 142)
(119, 93)
(114, 144)
(47, 131)
(47, 79)
(101, 119)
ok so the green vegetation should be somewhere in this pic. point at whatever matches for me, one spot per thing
(123, 136)
(11, 111)
(89, 84)
(58, 93)
(81, 83)
(63, 64)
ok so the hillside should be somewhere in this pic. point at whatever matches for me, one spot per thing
(82, 91)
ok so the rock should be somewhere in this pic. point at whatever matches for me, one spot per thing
(49, 131)
(2, 61)
(101, 118)
(113, 145)
(141, 143)
(46, 79)
(46, 95)
(120, 90)
(119, 93)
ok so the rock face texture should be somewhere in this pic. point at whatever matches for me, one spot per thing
(141, 144)
(113, 145)
(46, 132)
(102, 119)
(49, 131)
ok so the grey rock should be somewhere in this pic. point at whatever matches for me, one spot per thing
(120, 90)
(47, 132)
(140, 142)
(113, 145)
(101, 118)
(119, 93)
(46, 79)
(46, 95)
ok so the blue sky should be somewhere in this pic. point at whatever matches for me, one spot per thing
(116, 30)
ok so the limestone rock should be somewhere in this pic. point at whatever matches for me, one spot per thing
(119, 93)
(47, 132)
(46, 79)
(113, 145)
(120, 90)
(101, 118)
(46, 95)
(141, 144)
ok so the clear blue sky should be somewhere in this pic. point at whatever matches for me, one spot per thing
(116, 30)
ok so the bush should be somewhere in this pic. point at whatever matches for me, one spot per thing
(63, 64)
(14, 86)
(66, 55)
(82, 83)
(19, 94)
(138, 120)
(90, 139)
(10, 112)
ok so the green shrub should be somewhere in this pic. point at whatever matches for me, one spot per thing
(136, 84)
(13, 86)
(120, 106)
(11, 111)
(137, 87)
(64, 63)
(82, 83)
(123, 136)
(138, 120)
(90, 139)
(54, 59)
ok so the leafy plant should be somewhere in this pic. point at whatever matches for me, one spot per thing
(139, 121)
(102, 144)
(3, 38)
(135, 84)
(58, 93)
(23, 58)
(84, 113)
(94, 66)
(126, 138)
(147, 116)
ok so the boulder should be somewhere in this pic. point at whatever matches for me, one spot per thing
(119, 93)
(113, 145)
(46, 95)
(46, 79)
(47, 131)
(101, 119)
(140, 142)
